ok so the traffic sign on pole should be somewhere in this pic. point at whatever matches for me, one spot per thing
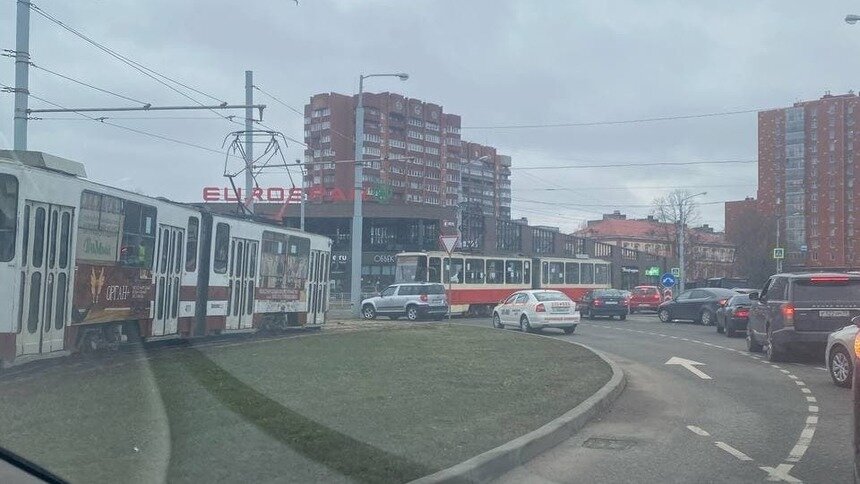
(778, 253)
(448, 242)
(668, 280)
(676, 271)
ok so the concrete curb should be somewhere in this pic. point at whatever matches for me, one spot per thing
(495, 462)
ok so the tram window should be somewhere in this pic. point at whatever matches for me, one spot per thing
(191, 244)
(99, 223)
(177, 260)
(587, 274)
(65, 233)
(39, 238)
(571, 272)
(474, 271)
(8, 216)
(495, 271)
(527, 272)
(222, 248)
(601, 274)
(138, 235)
(514, 272)
(435, 270)
(252, 260)
(544, 272)
(453, 274)
(556, 272)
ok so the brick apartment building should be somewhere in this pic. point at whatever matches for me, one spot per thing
(734, 211)
(709, 254)
(806, 180)
(417, 154)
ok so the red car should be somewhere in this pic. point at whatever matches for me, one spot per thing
(645, 297)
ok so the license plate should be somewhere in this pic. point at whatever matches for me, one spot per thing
(643, 305)
(609, 303)
(833, 314)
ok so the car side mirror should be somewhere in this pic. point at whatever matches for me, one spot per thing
(754, 296)
(856, 321)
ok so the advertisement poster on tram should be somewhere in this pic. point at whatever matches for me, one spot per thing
(111, 293)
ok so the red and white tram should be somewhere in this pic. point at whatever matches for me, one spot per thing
(85, 265)
(479, 282)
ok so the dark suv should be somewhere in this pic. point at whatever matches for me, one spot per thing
(795, 311)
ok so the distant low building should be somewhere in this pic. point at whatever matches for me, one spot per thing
(708, 252)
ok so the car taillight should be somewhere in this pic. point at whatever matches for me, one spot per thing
(540, 308)
(815, 279)
(857, 345)
(723, 302)
(788, 314)
(625, 302)
(423, 298)
(657, 296)
(741, 312)
(597, 302)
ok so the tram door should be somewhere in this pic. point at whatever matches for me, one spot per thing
(241, 288)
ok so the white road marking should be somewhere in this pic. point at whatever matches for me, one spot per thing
(820, 368)
(792, 377)
(698, 431)
(806, 390)
(673, 337)
(731, 450)
(813, 408)
(804, 440)
(690, 365)
(780, 473)
(811, 399)
(800, 383)
(783, 371)
(776, 366)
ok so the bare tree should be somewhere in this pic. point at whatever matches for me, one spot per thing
(673, 209)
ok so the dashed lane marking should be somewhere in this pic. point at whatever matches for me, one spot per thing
(811, 399)
(813, 408)
(731, 450)
(805, 390)
(698, 431)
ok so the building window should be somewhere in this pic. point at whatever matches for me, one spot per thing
(508, 236)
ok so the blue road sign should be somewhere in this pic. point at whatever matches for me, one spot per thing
(668, 280)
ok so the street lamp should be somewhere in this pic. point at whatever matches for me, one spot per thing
(852, 19)
(357, 222)
(681, 231)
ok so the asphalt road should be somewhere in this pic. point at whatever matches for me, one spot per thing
(749, 421)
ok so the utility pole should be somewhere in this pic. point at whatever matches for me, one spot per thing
(682, 273)
(22, 74)
(249, 140)
(778, 261)
(357, 232)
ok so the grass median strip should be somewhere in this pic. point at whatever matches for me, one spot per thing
(371, 406)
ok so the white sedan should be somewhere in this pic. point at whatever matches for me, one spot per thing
(840, 355)
(536, 309)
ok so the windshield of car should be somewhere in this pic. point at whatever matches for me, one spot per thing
(644, 291)
(550, 296)
(736, 300)
(845, 291)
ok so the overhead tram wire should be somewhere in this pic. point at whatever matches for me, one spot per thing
(631, 165)
(604, 205)
(82, 83)
(134, 64)
(133, 130)
(296, 111)
(151, 73)
(617, 122)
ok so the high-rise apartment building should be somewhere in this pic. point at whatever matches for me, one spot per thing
(414, 152)
(806, 180)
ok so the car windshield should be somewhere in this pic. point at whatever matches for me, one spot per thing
(391, 241)
(847, 291)
(550, 296)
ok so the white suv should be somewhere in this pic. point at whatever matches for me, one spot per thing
(411, 300)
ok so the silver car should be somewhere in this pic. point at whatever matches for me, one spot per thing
(840, 355)
(535, 309)
(411, 300)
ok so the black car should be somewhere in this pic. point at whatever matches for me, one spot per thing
(798, 311)
(734, 315)
(698, 305)
(605, 302)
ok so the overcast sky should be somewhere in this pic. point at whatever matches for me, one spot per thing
(495, 62)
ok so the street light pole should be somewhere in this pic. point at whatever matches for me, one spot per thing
(681, 233)
(358, 191)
